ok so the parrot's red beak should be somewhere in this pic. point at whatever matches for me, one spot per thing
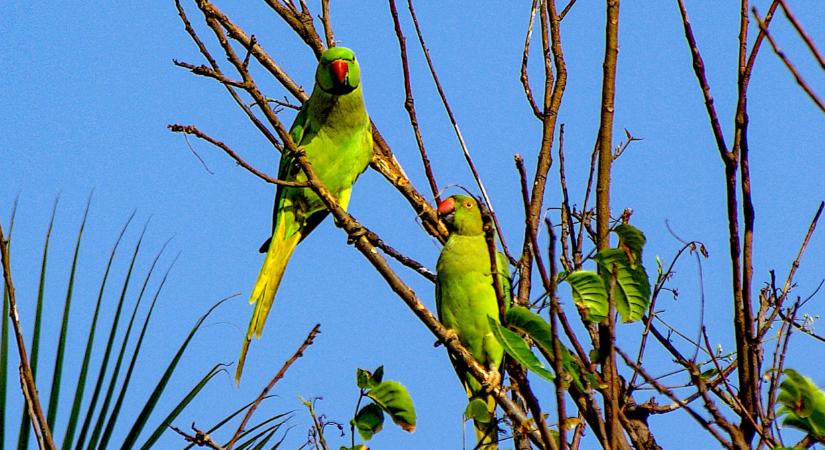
(446, 206)
(340, 69)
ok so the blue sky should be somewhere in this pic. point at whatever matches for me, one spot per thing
(87, 90)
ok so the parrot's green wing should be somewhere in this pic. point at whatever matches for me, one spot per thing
(288, 168)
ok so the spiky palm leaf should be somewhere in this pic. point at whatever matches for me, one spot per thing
(104, 419)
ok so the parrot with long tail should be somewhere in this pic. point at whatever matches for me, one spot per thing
(465, 297)
(333, 129)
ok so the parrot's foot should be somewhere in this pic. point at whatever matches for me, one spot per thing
(451, 335)
(493, 378)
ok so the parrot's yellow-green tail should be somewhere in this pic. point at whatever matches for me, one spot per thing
(263, 294)
(487, 432)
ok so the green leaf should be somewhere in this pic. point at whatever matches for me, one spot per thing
(226, 419)
(632, 289)
(25, 422)
(114, 415)
(378, 375)
(369, 421)
(153, 398)
(515, 346)
(113, 380)
(394, 399)
(631, 241)
(362, 378)
(531, 324)
(357, 447)
(80, 390)
(247, 432)
(54, 392)
(589, 294)
(367, 380)
(166, 422)
(803, 404)
(477, 411)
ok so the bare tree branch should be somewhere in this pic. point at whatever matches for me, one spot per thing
(799, 80)
(409, 102)
(38, 420)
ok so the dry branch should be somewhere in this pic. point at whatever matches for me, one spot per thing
(38, 420)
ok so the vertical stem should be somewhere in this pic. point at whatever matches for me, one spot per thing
(749, 357)
(409, 102)
(327, 23)
(605, 139)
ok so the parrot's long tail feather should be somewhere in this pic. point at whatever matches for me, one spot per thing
(487, 433)
(263, 294)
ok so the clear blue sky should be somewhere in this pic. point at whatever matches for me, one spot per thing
(87, 90)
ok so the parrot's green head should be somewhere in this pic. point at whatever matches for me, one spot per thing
(338, 72)
(462, 215)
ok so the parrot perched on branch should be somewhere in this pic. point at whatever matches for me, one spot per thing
(334, 130)
(465, 296)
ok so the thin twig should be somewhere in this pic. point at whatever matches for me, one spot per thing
(216, 69)
(298, 353)
(682, 404)
(738, 404)
(786, 289)
(458, 134)
(779, 355)
(327, 19)
(554, 85)
(39, 423)
(200, 438)
(799, 80)
(805, 37)
(566, 9)
(757, 44)
(198, 156)
(525, 55)
(193, 130)
(409, 102)
(555, 312)
(701, 77)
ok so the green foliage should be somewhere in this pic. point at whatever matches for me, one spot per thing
(518, 349)
(631, 293)
(387, 397)
(531, 324)
(631, 285)
(367, 380)
(631, 241)
(589, 294)
(369, 421)
(803, 404)
(394, 399)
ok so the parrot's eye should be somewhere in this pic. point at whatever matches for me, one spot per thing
(468, 205)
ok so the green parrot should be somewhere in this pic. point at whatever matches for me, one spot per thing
(465, 297)
(334, 130)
